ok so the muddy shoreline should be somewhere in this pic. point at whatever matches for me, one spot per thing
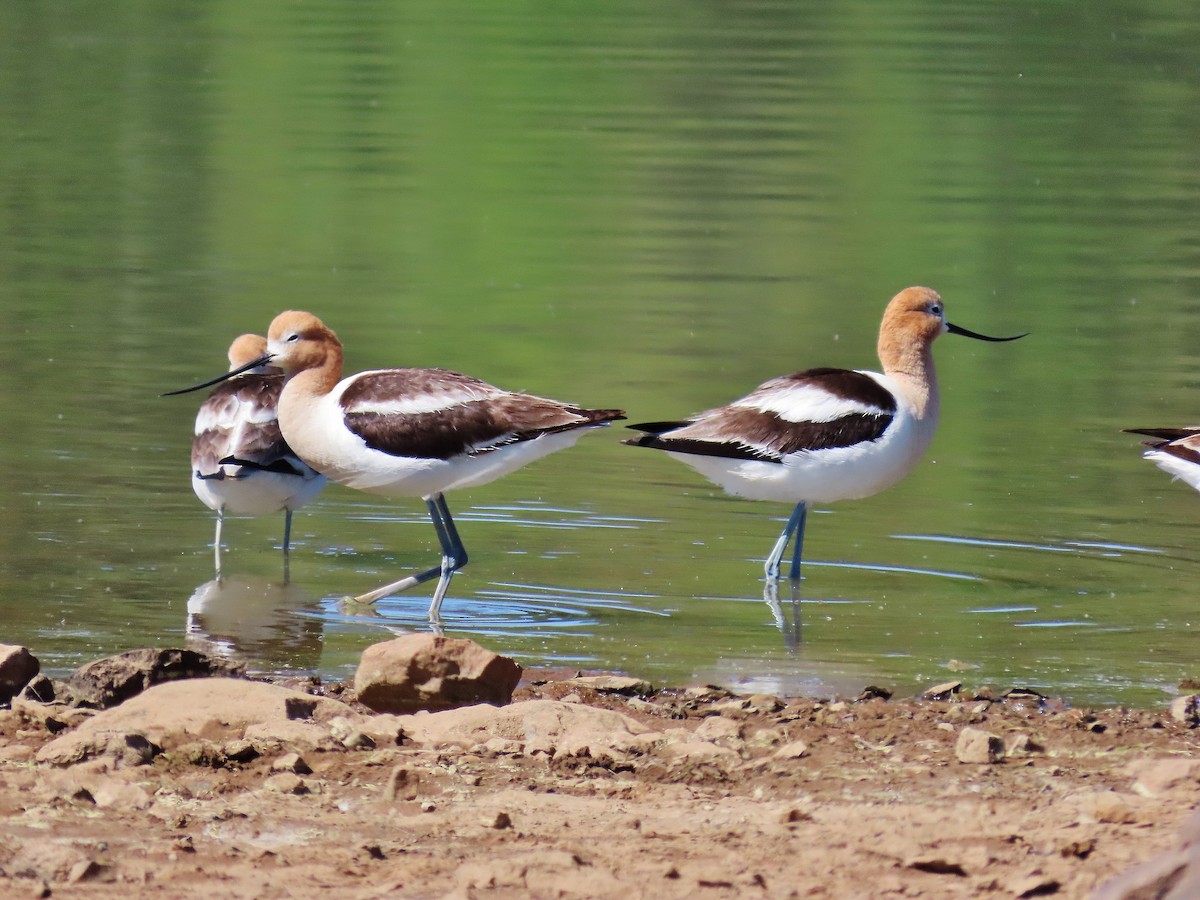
(585, 787)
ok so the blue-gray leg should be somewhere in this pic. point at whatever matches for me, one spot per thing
(454, 557)
(287, 532)
(794, 527)
(798, 539)
(454, 554)
(217, 540)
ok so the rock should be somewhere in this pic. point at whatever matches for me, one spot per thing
(1024, 698)
(121, 790)
(403, 783)
(701, 752)
(40, 689)
(179, 712)
(1023, 745)
(110, 681)
(347, 733)
(795, 815)
(793, 750)
(373, 851)
(549, 726)
(132, 749)
(499, 821)
(613, 684)
(936, 865)
(1108, 807)
(873, 692)
(1035, 885)
(384, 729)
(977, 746)
(298, 734)
(47, 859)
(764, 703)
(17, 668)
(942, 691)
(291, 762)
(113, 794)
(719, 730)
(494, 747)
(301, 707)
(1186, 709)
(286, 783)
(426, 671)
(1080, 848)
(54, 717)
(84, 870)
(239, 751)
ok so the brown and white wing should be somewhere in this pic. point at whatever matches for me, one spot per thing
(438, 414)
(817, 409)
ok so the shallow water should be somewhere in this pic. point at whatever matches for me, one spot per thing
(656, 208)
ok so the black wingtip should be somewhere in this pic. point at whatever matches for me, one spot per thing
(1169, 434)
(655, 428)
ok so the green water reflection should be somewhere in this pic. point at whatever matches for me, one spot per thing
(652, 206)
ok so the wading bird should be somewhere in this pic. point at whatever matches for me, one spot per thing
(823, 434)
(409, 432)
(240, 461)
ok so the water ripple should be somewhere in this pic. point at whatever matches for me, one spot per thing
(502, 609)
(1065, 547)
(516, 515)
(904, 570)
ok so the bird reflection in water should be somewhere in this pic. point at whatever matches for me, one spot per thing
(786, 612)
(258, 621)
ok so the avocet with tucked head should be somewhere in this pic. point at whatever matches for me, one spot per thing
(1176, 451)
(410, 432)
(240, 461)
(823, 434)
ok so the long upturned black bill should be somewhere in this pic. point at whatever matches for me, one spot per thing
(954, 329)
(253, 364)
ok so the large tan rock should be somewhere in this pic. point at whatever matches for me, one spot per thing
(427, 671)
(534, 726)
(179, 712)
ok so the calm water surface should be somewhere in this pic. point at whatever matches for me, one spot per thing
(621, 205)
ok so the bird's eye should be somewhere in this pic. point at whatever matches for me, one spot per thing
(936, 309)
(293, 337)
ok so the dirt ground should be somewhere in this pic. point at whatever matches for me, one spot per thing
(733, 797)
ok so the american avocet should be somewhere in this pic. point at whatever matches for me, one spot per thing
(410, 432)
(240, 461)
(823, 434)
(1176, 451)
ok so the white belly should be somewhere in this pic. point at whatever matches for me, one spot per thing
(1176, 467)
(822, 476)
(256, 494)
(317, 433)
